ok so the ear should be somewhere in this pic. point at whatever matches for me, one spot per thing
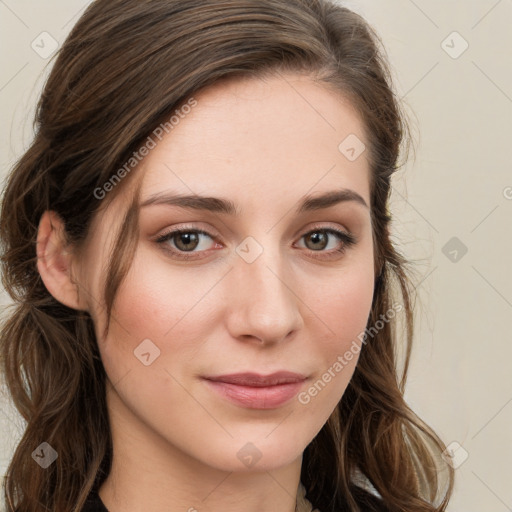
(54, 261)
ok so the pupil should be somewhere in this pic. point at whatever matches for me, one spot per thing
(187, 239)
(317, 237)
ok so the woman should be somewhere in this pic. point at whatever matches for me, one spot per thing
(207, 297)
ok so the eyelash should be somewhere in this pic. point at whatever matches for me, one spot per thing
(348, 240)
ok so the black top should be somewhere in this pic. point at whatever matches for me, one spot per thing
(94, 503)
(368, 502)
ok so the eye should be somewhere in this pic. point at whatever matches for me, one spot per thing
(318, 239)
(186, 240)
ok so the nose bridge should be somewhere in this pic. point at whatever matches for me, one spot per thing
(264, 304)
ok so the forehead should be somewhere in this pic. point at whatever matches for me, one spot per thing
(260, 140)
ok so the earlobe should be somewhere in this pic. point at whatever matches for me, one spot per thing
(54, 261)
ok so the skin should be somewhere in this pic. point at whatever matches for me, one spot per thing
(263, 144)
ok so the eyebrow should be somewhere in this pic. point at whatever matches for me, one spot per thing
(219, 205)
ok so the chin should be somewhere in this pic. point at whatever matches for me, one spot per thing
(258, 453)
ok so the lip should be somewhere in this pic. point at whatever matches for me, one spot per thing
(257, 391)
(259, 380)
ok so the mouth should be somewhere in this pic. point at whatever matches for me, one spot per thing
(256, 391)
(259, 380)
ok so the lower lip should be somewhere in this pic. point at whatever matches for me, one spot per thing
(269, 397)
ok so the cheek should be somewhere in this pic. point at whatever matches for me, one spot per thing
(343, 303)
(159, 310)
(342, 307)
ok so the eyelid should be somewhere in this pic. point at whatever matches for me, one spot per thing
(322, 226)
(187, 228)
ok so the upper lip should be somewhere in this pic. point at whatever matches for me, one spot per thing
(258, 380)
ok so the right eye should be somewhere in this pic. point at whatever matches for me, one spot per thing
(184, 240)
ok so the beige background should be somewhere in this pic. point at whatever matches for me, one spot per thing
(460, 185)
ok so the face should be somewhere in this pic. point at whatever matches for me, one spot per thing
(267, 287)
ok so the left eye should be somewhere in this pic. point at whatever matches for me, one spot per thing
(187, 240)
(320, 238)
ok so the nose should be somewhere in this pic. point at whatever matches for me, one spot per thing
(264, 303)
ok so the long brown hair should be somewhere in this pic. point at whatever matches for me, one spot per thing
(126, 66)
